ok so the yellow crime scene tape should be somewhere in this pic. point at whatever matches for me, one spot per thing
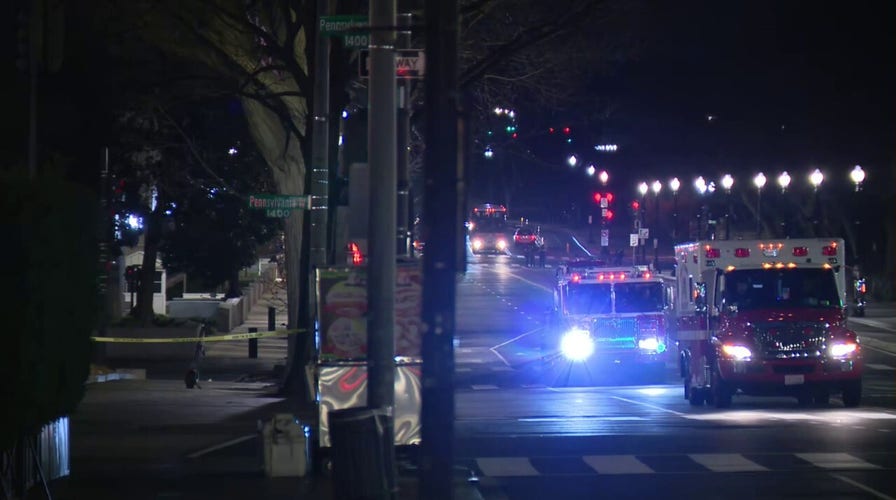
(210, 338)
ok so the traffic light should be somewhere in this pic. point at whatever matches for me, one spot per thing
(636, 206)
(608, 215)
(566, 130)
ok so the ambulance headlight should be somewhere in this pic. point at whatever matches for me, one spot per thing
(577, 345)
(843, 349)
(737, 352)
(477, 243)
(650, 344)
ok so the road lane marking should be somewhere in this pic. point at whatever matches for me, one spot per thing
(616, 464)
(225, 444)
(875, 366)
(862, 487)
(726, 462)
(836, 461)
(506, 466)
(874, 323)
(484, 387)
(654, 407)
(568, 419)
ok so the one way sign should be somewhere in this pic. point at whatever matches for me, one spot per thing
(409, 63)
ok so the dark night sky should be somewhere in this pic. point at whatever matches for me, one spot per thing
(822, 70)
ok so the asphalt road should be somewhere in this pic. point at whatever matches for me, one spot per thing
(528, 437)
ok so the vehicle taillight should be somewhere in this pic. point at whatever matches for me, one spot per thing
(800, 251)
(741, 252)
(646, 275)
(829, 250)
(713, 253)
(575, 278)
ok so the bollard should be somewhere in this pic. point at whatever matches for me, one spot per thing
(253, 343)
(272, 318)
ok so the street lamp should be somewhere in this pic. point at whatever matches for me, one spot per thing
(858, 176)
(590, 170)
(727, 183)
(604, 177)
(784, 181)
(572, 160)
(759, 181)
(815, 178)
(674, 185)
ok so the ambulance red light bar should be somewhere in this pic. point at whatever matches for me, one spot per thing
(800, 251)
(829, 250)
(575, 278)
(712, 253)
(741, 252)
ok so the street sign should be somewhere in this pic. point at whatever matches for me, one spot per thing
(604, 237)
(279, 205)
(349, 27)
(409, 63)
(633, 239)
(643, 233)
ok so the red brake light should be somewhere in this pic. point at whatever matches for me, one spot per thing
(576, 278)
(800, 251)
(741, 252)
(829, 250)
(713, 253)
(646, 275)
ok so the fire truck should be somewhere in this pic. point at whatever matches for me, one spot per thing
(764, 317)
(614, 315)
(488, 229)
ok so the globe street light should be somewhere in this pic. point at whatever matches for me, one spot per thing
(858, 176)
(674, 185)
(759, 181)
(727, 183)
(590, 170)
(572, 160)
(815, 178)
(604, 177)
(784, 181)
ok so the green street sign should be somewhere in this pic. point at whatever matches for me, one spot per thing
(279, 205)
(339, 25)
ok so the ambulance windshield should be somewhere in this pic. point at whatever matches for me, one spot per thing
(752, 289)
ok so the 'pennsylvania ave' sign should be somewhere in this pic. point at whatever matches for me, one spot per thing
(279, 205)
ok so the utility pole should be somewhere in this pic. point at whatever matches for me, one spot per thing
(443, 173)
(403, 216)
(320, 148)
(381, 266)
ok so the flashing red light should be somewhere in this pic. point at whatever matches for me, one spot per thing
(551, 130)
(647, 275)
(800, 251)
(600, 277)
(566, 130)
(713, 253)
(355, 252)
(576, 278)
(609, 197)
(635, 206)
(514, 135)
(622, 276)
(829, 250)
(741, 252)
(597, 197)
(609, 215)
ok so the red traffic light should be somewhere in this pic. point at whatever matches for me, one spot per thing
(603, 196)
(609, 197)
(566, 130)
(635, 205)
(608, 215)
(597, 197)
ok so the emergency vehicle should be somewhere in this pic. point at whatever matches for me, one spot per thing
(765, 317)
(609, 314)
(488, 229)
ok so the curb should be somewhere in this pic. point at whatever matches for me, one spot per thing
(122, 374)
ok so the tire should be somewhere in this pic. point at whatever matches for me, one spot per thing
(852, 394)
(697, 396)
(721, 392)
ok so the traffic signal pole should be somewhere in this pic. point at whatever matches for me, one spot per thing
(443, 178)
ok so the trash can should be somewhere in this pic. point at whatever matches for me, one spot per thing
(286, 446)
(361, 467)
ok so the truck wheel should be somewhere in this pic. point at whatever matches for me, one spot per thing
(721, 392)
(852, 394)
(696, 396)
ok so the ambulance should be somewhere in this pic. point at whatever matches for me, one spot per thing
(764, 317)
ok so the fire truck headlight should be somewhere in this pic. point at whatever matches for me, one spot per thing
(577, 345)
(843, 349)
(737, 352)
(477, 244)
(502, 244)
(651, 344)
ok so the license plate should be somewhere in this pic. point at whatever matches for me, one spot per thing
(794, 379)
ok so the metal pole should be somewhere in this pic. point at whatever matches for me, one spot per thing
(253, 344)
(758, 212)
(381, 132)
(403, 216)
(443, 171)
(320, 150)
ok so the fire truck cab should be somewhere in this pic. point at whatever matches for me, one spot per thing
(614, 315)
(764, 317)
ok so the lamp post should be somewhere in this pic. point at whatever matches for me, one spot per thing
(759, 181)
(701, 187)
(815, 178)
(642, 189)
(784, 181)
(727, 183)
(857, 176)
(656, 187)
(674, 185)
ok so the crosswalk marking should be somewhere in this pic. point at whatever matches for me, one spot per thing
(726, 462)
(484, 387)
(506, 466)
(616, 464)
(836, 461)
